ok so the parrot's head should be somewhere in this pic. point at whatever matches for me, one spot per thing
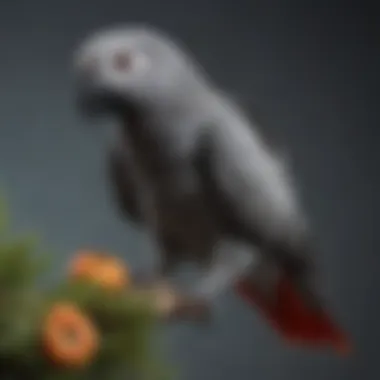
(130, 67)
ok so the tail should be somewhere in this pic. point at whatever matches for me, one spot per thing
(297, 322)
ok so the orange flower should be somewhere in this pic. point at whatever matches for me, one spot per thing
(69, 337)
(107, 271)
(85, 264)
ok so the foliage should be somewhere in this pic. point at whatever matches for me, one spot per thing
(126, 322)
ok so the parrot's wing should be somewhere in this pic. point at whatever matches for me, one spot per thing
(254, 196)
(249, 185)
(123, 184)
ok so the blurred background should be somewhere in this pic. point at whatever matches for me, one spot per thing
(312, 72)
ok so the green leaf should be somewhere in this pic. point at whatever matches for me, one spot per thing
(126, 321)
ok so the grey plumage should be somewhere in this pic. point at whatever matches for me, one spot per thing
(192, 168)
(123, 184)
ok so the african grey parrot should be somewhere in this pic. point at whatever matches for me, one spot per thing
(191, 168)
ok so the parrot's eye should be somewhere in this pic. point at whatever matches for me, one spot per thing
(122, 61)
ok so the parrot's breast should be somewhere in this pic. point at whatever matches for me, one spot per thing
(186, 221)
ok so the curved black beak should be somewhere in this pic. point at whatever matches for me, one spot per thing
(97, 103)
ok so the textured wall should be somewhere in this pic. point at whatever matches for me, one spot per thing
(313, 73)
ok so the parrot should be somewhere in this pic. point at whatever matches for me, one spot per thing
(196, 172)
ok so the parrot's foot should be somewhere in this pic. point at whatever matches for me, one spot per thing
(172, 304)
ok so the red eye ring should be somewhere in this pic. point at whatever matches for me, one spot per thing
(122, 61)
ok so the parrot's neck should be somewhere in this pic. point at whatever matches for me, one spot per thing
(164, 118)
(159, 134)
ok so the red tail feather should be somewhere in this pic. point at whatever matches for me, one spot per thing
(293, 320)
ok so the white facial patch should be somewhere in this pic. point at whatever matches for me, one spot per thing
(130, 62)
(142, 63)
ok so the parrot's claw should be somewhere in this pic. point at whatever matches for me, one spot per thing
(184, 307)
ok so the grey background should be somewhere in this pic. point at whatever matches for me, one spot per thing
(313, 74)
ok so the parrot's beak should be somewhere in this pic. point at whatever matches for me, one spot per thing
(88, 105)
(92, 98)
(94, 104)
